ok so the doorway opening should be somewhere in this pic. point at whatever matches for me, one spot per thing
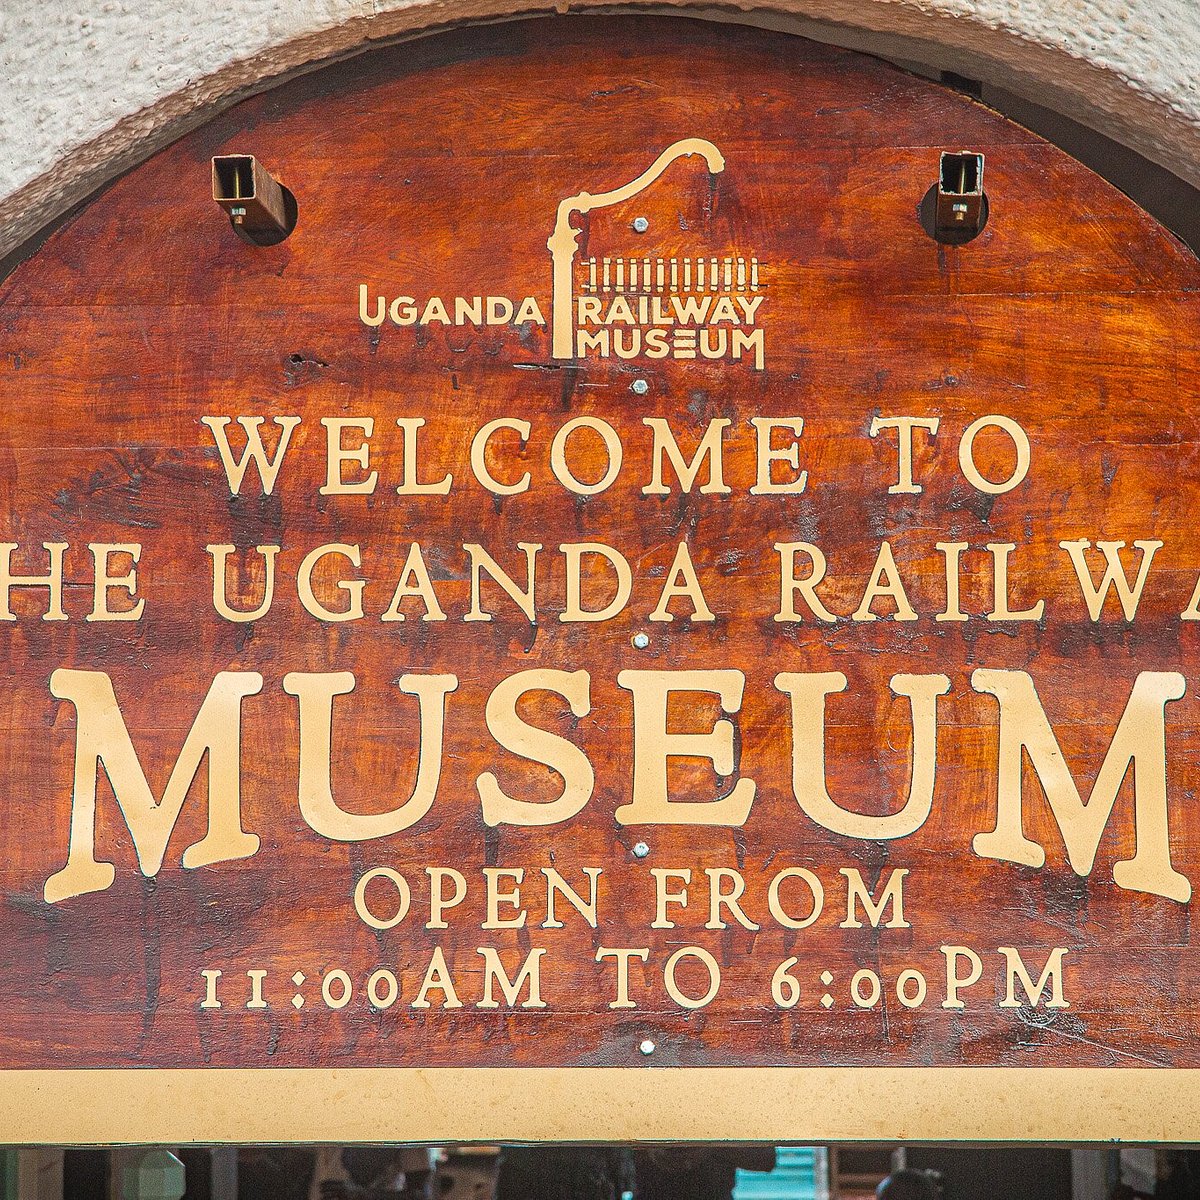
(566, 1172)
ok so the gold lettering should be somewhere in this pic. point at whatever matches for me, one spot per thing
(336, 453)
(414, 581)
(352, 587)
(479, 450)
(495, 897)
(102, 736)
(904, 427)
(789, 585)
(437, 975)
(676, 992)
(663, 895)
(622, 955)
(768, 454)
(808, 692)
(885, 581)
(530, 973)
(403, 898)
(540, 746)
(220, 557)
(1000, 610)
(776, 907)
(952, 551)
(966, 454)
(411, 485)
(482, 561)
(955, 982)
(267, 468)
(1114, 577)
(315, 692)
(682, 581)
(654, 747)
(718, 898)
(1051, 977)
(1140, 740)
(557, 885)
(103, 581)
(858, 893)
(573, 552)
(665, 445)
(439, 902)
(612, 448)
(52, 582)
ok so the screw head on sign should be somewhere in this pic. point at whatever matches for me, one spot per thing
(640, 850)
(640, 224)
(641, 641)
(647, 1047)
(639, 387)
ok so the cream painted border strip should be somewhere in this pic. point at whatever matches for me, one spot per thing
(593, 1104)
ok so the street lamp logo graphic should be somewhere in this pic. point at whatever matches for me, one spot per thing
(681, 307)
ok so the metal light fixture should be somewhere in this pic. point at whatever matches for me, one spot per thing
(261, 210)
(955, 209)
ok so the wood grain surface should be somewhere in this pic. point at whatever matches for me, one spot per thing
(434, 169)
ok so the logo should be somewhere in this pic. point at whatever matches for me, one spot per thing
(704, 305)
(697, 306)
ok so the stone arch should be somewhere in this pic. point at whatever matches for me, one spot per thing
(90, 94)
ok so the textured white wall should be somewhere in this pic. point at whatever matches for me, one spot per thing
(91, 87)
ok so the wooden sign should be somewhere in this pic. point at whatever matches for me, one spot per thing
(609, 630)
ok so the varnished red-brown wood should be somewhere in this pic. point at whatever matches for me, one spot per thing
(434, 169)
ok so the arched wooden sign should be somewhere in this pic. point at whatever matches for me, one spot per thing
(609, 630)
